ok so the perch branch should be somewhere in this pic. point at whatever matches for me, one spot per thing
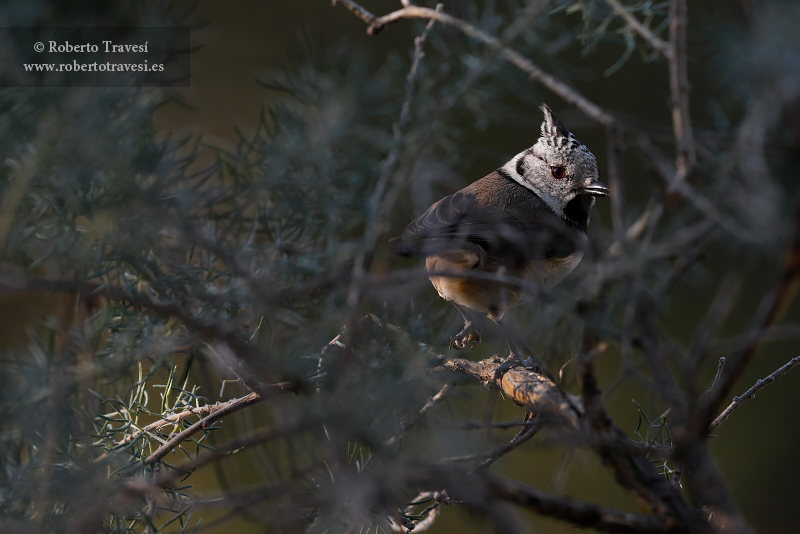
(538, 394)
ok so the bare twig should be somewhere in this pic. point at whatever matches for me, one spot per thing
(359, 11)
(383, 197)
(641, 29)
(679, 90)
(521, 437)
(491, 456)
(262, 436)
(720, 367)
(750, 393)
(770, 310)
(433, 401)
(424, 519)
(560, 88)
(229, 407)
(205, 410)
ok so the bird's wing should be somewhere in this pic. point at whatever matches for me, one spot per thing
(452, 223)
(458, 222)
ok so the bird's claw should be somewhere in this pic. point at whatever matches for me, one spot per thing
(469, 337)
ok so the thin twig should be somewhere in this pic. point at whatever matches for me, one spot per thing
(720, 367)
(234, 405)
(433, 401)
(750, 393)
(679, 90)
(360, 12)
(482, 425)
(770, 310)
(262, 436)
(382, 198)
(521, 437)
(641, 29)
(491, 456)
(176, 418)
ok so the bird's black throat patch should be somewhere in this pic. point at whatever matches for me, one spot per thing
(577, 211)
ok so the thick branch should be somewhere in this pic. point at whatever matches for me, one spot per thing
(538, 394)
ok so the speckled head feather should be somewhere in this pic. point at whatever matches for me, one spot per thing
(558, 167)
(553, 132)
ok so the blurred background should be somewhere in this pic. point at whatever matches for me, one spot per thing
(282, 89)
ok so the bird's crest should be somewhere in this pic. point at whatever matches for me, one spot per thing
(556, 134)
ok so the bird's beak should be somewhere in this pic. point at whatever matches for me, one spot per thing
(595, 188)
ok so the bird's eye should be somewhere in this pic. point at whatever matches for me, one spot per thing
(558, 172)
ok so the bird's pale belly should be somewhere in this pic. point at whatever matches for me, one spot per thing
(552, 271)
(487, 297)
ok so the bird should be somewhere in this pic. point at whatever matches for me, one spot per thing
(527, 220)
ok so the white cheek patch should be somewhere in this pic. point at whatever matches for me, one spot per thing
(510, 168)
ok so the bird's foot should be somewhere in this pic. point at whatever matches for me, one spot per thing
(470, 337)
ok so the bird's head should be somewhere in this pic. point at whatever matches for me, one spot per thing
(558, 167)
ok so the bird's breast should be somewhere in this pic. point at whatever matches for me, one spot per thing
(551, 271)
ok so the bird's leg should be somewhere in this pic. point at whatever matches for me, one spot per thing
(514, 358)
(470, 336)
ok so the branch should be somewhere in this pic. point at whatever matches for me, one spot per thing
(490, 457)
(537, 393)
(750, 393)
(227, 408)
(411, 11)
(641, 29)
(578, 512)
(631, 467)
(720, 367)
(262, 436)
(770, 310)
(679, 90)
(521, 437)
(432, 401)
(176, 418)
